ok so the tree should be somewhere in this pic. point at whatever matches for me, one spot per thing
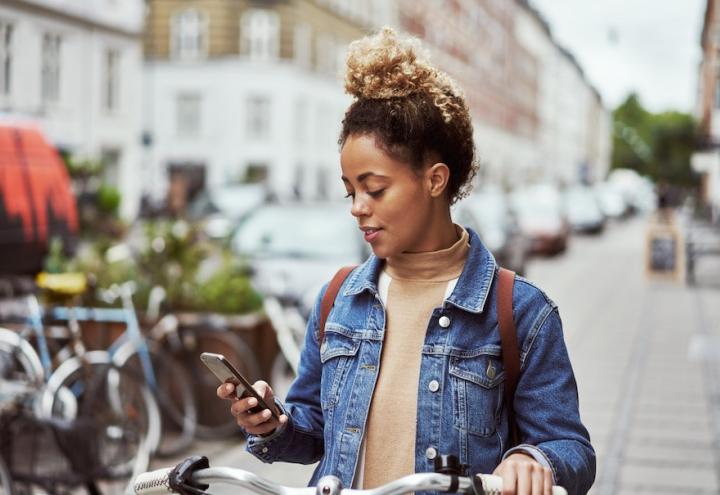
(656, 145)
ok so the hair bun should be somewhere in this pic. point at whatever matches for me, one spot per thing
(385, 65)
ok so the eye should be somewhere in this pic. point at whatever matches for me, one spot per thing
(376, 194)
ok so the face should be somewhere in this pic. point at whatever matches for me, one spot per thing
(392, 202)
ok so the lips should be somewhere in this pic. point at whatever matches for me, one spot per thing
(371, 233)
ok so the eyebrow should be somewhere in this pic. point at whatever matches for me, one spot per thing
(364, 176)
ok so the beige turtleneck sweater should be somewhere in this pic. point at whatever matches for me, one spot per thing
(418, 284)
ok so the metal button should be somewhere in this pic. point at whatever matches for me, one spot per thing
(431, 453)
(444, 321)
(434, 386)
(264, 450)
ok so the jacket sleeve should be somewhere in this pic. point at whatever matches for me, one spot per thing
(547, 408)
(301, 439)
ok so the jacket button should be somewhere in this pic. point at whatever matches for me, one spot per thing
(431, 453)
(444, 321)
(434, 386)
(264, 450)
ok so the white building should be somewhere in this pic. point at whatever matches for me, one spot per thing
(574, 139)
(239, 92)
(74, 67)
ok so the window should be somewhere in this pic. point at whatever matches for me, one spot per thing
(50, 71)
(326, 53)
(188, 114)
(302, 44)
(301, 124)
(6, 31)
(258, 117)
(189, 35)
(112, 80)
(260, 34)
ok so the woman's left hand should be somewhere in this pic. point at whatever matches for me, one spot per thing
(523, 475)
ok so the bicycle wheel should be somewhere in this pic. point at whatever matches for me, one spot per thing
(124, 415)
(214, 418)
(6, 485)
(20, 366)
(173, 392)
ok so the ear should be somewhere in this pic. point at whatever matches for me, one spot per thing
(437, 177)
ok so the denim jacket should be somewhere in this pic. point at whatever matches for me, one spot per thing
(327, 405)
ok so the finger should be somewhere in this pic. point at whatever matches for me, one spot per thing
(510, 478)
(263, 389)
(547, 481)
(538, 481)
(242, 406)
(264, 428)
(258, 418)
(524, 478)
(226, 391)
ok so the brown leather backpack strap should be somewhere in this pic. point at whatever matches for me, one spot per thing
(508, 338)
(328, 299)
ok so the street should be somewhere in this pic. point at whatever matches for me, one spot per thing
(647, 360)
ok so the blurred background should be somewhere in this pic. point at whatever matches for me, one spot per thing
(170, 184)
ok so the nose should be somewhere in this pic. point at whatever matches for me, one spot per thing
(359, 208)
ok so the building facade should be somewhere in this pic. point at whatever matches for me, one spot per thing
(706, 160)
(240, 90)
(537, 118)
(74, 68)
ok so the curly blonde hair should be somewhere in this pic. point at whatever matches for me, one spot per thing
(414, 111)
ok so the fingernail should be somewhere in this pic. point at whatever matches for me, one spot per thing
(283, 419)
(253, 402)
(228, 387)
(266, 413)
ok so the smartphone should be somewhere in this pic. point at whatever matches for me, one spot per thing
(226, 373)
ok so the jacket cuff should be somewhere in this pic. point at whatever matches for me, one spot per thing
(534, 452)
(262, 446)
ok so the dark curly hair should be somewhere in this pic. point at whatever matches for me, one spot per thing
(414, 112)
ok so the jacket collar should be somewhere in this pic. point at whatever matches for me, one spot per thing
(471, 290)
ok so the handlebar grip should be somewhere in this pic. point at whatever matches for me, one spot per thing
(153, 482)
(493, 485)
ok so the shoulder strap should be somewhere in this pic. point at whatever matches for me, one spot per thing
(328, 299)
(508, 338)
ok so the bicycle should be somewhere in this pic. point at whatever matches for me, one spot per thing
(86, 390)
(193, 477)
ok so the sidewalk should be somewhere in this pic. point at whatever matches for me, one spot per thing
(646, 359)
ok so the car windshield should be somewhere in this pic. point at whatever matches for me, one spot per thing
(531, 205)
(581, 201)
(299, 231)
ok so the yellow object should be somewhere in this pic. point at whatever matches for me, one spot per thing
(70, 284)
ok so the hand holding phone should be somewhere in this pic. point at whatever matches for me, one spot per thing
(227, 373)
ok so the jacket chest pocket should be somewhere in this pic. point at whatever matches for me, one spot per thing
(337, 354)
(476, 389)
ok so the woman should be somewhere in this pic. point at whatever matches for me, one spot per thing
(409, 365)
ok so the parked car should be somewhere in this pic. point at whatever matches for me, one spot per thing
(541, 219)
(37, 203)
(219, 209)
(487, 211)
(294, 248)
(582, 210)
(610, 200)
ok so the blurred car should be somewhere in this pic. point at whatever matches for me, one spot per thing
(37, 203)
(582, 210)
(610, 200)
(487, 211)
(541, 219)
(294, 248)
(221, 208)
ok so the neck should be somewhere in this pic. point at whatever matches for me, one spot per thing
(441, 233)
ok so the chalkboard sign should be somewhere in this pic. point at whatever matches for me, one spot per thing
(665, 256)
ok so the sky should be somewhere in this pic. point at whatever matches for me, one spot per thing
(651, 47)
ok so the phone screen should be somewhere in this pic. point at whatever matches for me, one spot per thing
(227, 373)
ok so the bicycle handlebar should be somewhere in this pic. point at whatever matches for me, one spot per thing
(158, 482)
